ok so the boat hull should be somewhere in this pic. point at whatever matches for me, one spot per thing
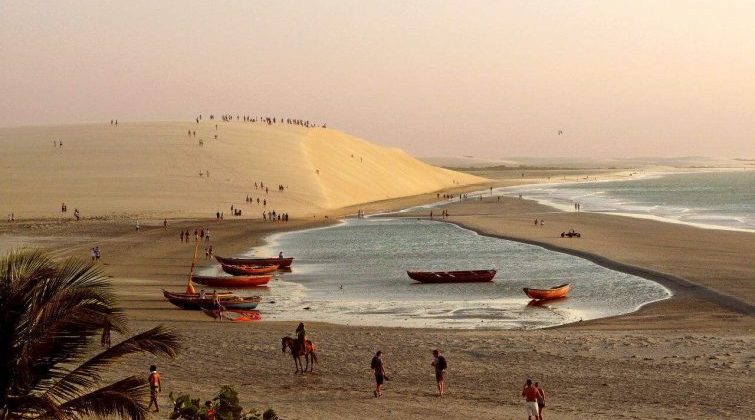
(557, 292)
(231, 281)
(280, 262)
(474, 276)
(246, 270)
(192, 301)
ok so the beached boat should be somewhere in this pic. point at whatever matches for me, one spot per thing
(193, 300)
(235, 316)
(556, 292)
(473, 276)
(280, 262)
(240, 303)
(231, 281)
(245, 270)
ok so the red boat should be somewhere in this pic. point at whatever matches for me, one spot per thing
(556, 292)
(242, 270)
(231, 281)
(280, 262)
(473, 276)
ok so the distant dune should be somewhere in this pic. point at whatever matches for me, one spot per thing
(153, 170)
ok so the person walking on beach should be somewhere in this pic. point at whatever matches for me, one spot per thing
(379, 368)
(531, 394)
(540, 401)
(137, 225)
(440, 365)
(155, 387)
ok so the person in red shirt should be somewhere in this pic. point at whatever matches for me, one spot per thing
(531, 394)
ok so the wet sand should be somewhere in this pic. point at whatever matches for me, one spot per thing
(687, 357)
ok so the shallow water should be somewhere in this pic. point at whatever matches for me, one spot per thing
(724, 200)
(354, 273)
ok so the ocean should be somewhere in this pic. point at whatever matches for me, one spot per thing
(718, 200)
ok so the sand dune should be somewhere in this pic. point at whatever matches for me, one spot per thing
(153, 170)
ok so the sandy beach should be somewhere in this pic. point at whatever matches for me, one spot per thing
(631, 366)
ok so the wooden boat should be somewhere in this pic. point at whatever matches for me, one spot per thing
(240, 303)
(473, 276)
(280, 262)
(556, 292)
(245, 270)
(231, 281)
(193, 301)
(235, 316)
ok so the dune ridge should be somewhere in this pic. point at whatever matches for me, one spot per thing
(152, 169)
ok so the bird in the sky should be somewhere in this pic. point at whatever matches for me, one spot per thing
(560, 132)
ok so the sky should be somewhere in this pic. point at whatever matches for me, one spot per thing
(481, 78)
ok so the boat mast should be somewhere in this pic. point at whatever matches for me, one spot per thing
(189, 286)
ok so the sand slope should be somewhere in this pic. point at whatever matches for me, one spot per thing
(153, 170)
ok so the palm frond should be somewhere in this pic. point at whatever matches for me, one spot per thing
(159, 340)
(121, 399)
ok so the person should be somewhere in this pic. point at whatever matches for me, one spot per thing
(211, 413)
(280, 254)
(207, 236)
(540, 401)
(94, 255)
(217, 308)
(97, 253)
(531, 394)
(137, 225)
(182, 236)
(440, 364)
(155, 387)
(202, 294)
(536, 222)
(165, 224)
(379, 368)
(301, 335)
(542, 222)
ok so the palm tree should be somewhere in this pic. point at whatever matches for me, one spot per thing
(50, 314)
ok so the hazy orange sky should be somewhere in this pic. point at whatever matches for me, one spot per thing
(483, 78)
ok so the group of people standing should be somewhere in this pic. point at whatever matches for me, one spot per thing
(199, 234)
(266, 120)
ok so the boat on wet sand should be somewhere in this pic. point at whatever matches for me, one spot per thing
(245, 270)
(231, 281)
(471, 276)
(194, 300)
(556, 292)
(280, 262)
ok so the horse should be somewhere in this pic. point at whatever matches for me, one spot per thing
(296, 353)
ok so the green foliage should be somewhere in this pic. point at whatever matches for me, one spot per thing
(226, 405)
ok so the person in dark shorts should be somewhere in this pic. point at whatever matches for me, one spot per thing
(379, 368)
(540, 401)
(440, 364)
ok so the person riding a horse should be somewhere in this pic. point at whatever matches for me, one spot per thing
(301, 335)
